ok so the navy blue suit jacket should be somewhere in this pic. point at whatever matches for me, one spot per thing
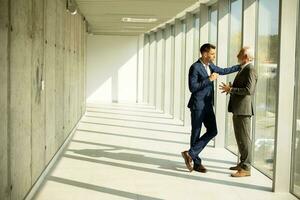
(201, 87)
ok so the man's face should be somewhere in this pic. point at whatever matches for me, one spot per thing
(210, 56)
(241, 57)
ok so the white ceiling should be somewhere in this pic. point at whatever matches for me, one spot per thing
(104, 16)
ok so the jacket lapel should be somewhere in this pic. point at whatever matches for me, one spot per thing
(202, 68)
(239, 74)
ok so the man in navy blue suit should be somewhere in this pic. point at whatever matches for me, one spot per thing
(201, 76)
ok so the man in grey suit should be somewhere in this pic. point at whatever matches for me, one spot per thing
(240, 104)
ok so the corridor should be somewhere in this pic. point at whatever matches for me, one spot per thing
(122, 151)
(94, 95)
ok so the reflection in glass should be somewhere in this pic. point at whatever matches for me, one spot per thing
(184, 29)
(213, 36)
(266, 94)
(213, 24)
(235, 43)
(172, 67)
(196, 36)
(296, 158)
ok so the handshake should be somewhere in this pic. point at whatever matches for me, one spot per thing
(213, 76)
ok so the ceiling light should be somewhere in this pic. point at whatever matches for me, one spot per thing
(71, 7)
(139, 20)
(134, 27)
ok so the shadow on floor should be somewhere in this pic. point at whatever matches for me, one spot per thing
(130, 136)
(139, 128)
(151, 151)
(171, 173)
(152, 111)
(112, 153)
(133, 120)
(127, 114)
(101, 189)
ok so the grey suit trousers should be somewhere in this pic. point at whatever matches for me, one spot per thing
(242, 131)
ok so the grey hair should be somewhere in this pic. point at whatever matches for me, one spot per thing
(249, 52)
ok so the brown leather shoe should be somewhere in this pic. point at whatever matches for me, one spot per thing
(241, 173)
(200, 168)
(237, 167)
(188, 160)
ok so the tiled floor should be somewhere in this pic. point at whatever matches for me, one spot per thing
(133, 152)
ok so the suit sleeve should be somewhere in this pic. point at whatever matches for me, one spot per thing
(250, 85)
(194, 84)
(224, 71)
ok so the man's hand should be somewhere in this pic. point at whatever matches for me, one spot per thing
(225, 88)
(213, 76)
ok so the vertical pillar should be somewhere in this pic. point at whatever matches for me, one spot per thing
(204, 24)
(189, 60)
(159, 69)
(249, 21)
(168, 68)
(4, 85)
(177, 69)
(146, 52)
(140, 70)
(152, 69)
(284, 127)
(221, 107)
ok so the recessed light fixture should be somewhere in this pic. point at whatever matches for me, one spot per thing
(134, 27)
(138, 20)
(71, 7)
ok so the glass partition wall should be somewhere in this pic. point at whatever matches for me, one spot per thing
(196, 36)
(267, 56)
(213, 24)
(213, 39)
(235, 43)
(266, 61)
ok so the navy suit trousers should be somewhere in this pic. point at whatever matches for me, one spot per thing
(207, 117)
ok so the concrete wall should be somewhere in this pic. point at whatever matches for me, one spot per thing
(4, 29)
(112, 68)
(42, 74)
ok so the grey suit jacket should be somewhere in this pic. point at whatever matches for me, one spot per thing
(243, 88)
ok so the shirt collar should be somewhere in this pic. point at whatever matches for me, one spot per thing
(203, 63)
(245, 64)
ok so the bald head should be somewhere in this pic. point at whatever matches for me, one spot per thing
(245, 55)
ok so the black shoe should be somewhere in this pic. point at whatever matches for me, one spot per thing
(237, 167)
(200, 168)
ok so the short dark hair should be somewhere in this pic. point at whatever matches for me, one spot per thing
(206, 47)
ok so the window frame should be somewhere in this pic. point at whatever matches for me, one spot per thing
(295, 105)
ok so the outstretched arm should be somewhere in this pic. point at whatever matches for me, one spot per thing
(247, 90)
(224, 71)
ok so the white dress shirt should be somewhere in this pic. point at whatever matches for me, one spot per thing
(206, 67)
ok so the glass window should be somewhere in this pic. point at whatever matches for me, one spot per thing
(296, 153)
(235, 43)
(196, 36)
(266, 93)
(213, 36)
(183, 53)
(213, 24)
(172, 67)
